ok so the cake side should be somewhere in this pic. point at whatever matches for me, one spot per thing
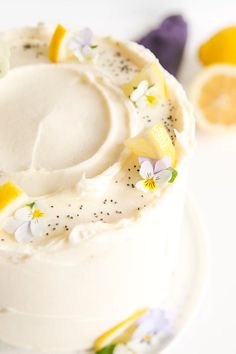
(103, 240)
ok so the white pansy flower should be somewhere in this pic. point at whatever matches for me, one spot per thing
(144, 94)
(155, 174)
(82, 46)
(26, 224)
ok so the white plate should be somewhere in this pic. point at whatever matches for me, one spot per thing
(187, 283)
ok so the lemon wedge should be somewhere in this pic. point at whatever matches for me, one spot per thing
(154, 143)
(120, 333)
(58, 50)
(11, 197)
(151, 73)
(213, 94)
(220, 48)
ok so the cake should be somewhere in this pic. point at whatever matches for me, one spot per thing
(95, 144)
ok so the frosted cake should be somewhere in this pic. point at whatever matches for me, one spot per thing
(95, 140)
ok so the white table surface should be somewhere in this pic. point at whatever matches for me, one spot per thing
(213, 170)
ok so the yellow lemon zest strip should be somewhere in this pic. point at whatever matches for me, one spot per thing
(99, 344)
(8, 193)
(54, 48)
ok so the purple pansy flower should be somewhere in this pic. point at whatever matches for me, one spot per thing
(152, 323)
(81, 44)
(155, 174)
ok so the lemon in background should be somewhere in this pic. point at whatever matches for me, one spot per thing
(213, 94)
(220, 48)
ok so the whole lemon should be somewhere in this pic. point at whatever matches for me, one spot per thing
(220, 48)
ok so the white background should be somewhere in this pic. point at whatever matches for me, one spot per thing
(213, 171)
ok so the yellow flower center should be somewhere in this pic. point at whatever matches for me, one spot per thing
(150, 184)
(37, 213)
(151, 99)
(147, 338)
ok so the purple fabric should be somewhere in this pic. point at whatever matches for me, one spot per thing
(167, 42)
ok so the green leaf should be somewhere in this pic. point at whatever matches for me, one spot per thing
(94, 46)
(31, 205)
(109, 349)
(174, 174)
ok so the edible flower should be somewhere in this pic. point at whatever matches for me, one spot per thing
(145, 335)
(81, 44)
(155, 174)
(144, 94)
(151, 324)
(26, 224)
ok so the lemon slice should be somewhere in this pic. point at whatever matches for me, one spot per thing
(121, 333)
(154, 143)
(11, 197)
(151, 73)
(58, 50)
(220, 48)
(213, 94)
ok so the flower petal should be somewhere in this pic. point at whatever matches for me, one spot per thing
(152, 322)
(141, 186)
(78, 54)
(163, 177)
(37, 228)
(143, 86)
(88, 52)
(142, 159)
(24, 214)
(152, 91)
(142, 102)
(148, 185)
(162, 164)
(73, 44)
(139, 91)
(135, 95)
(85, 37)
(23, 233)
(11, 225)
(146, 169)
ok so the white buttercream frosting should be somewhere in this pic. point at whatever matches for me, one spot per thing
(108, 249)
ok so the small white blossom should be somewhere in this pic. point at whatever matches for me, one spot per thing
(26, 224)
(144, 94)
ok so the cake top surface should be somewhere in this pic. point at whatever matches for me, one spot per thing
(67, 128)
